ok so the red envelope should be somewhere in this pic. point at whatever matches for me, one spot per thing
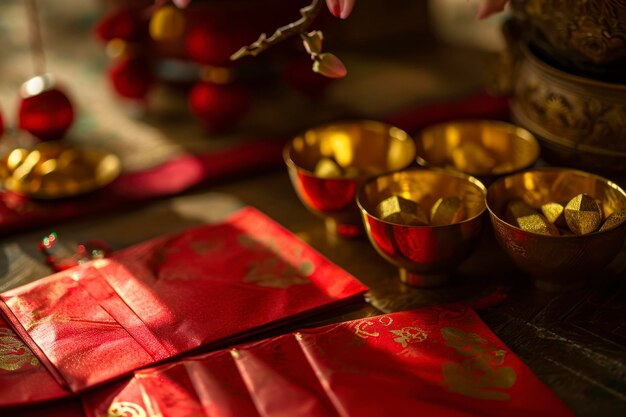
(158, 299)
(434, 362)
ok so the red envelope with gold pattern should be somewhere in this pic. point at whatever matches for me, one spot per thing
(439, 361)
(158, 299)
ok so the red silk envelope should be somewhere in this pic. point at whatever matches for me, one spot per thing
(152, 301)
(440, 361)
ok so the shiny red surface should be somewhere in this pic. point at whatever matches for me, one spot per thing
(326, 194)
(47, 115)
(440, 361)
(169, 295)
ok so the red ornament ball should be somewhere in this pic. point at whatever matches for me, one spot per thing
(131, 78)
(211, 44)
(46, 115)
(219, 106)
(125, 24)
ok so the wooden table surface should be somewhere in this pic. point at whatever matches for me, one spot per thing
(575, 342)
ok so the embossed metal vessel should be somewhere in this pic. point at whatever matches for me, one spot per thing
(556, 263)
(460, 145)
(425, 255)
(580, 122)
(370, 147)
(586, 35)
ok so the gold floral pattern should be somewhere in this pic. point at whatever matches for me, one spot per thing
(14, 354)
(482, 374)
(126, 409)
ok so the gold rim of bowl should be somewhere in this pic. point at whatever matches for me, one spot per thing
(399, 134)
(442, 171)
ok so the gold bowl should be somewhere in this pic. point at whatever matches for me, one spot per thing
(54, 170)
(425, 255)
(580, 122)
(367, 148)
(482, 148)
(556, 263)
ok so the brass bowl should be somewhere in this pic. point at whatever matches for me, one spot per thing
(482, 148)
(556, 263)
(53, 170)
(371, 147)
(425, 255)
(580, 122)
(589, 36)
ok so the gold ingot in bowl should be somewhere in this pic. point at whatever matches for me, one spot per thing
(425, 255)
(447, 210)
(361, 149)
(554, 213)
(482, 148)
(583, 214)
(556, 263)
(396, 209)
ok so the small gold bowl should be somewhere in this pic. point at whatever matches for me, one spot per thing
(425, 255)
(482, 148)
(54, 170)
(370, 147)
(556, 263)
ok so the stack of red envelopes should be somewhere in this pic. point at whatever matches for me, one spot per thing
(205, 287)
(440, 362)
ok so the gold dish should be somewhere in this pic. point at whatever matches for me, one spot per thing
(481, 148)
(53, 170)
(425, 255)
(363, 148)
(556, 263)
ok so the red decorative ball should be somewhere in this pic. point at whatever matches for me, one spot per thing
(46, 115)
(131, 78)
(210, 44)
(218, 106)
(125, 24)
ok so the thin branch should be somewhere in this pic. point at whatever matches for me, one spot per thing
(36, 43)
(295, 28)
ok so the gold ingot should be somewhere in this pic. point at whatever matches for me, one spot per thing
(167, 24)
(399, 210)
(537, 223)
(46, 167)
(327, 168)
(31, 160)
(16, 158)
(614, 220)
(583, 215)
(516, 209)
(448, 210)
(554, 213)
(472, 158)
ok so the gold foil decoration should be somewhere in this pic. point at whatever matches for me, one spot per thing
(482, 374)
(14, 354)
(583, 214)
(327, 168)
(399, 210)
(448, 210)
(408, 335)
(126, 409)
(554, 213)
(613, 220)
